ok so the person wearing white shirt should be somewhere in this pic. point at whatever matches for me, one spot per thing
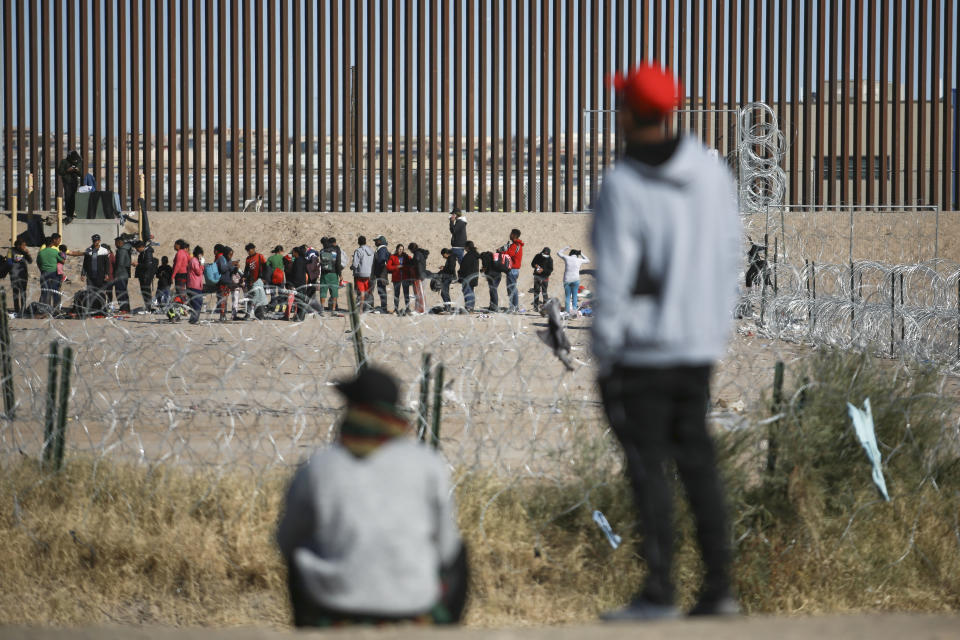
(573, 259)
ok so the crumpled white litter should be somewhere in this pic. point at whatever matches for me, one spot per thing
(863, 425)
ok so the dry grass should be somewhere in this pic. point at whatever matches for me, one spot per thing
(113, 542)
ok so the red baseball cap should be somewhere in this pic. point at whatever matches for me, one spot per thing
(648, 90)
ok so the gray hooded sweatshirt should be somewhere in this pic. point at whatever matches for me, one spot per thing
(667, 248)
(369, 535)
(362, 262)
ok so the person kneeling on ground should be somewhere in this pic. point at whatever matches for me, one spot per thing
(369, 531)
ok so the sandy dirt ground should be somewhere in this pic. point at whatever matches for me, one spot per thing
(870, 626)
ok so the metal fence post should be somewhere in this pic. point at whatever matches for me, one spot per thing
(437, 407)
(776, 408)
(355, 330)
(423, 407)
(6, 369)
(66, 365)
(50, 420)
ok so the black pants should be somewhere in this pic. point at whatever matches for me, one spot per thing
(381, 291)
(539, 287)
(19, 295)
(659, 416)
(70, 199)
(146, 286)
(445, 281)
(123, 297)
(406, 295)
(493, 283)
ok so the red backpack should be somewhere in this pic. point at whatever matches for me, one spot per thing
(501, 262)
(277, 277)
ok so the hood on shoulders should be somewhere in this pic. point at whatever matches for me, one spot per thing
(682, 167)
(102, 251)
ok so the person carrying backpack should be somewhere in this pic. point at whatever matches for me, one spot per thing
(211, 271)
(275, 268)
(329, 274)
(495, 264)
(312, 256)
(380, 258)
(362, 267)
(341, 257)
(228, 287)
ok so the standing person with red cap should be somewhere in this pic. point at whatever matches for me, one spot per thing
(667, 238)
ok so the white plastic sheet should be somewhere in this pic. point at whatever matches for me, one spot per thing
(863, 425)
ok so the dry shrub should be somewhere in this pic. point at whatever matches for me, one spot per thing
(814, 533)
(106, 541)
(115, 542)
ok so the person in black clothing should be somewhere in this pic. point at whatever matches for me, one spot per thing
(121, 272)
(542, 265)
(19, 259)
(298, 281)
(379, 274)
(164, 281)
(493, 276)
(469, 274)
(69, 171)
(419, 273)
(458, 233)
(145, 272)
(95, 270)
(446, 275)
(339, 264)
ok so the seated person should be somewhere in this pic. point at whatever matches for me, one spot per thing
(369, 532)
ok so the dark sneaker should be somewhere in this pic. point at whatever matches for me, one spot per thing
(725, 606)
(640, 610)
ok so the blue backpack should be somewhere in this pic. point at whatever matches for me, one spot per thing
(211, 274)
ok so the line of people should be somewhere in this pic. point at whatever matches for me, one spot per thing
(291, 284)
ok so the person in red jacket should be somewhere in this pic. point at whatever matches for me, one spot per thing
(180, 261)
(399, 266)
(255, 266)
(515, 251)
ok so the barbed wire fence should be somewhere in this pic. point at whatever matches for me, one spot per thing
(256, 397)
